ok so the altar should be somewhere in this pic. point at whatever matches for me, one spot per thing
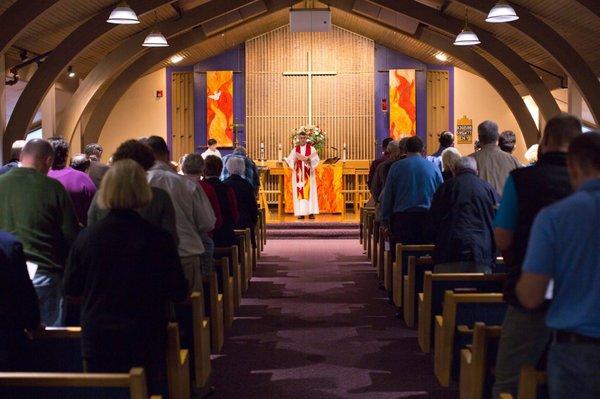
(336, 184)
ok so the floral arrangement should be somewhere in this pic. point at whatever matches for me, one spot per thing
(316, 136)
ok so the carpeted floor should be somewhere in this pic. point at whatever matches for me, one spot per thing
(314, 324)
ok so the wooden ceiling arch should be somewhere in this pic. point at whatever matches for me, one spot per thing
(556, 46)
(17, 17)
(127, 52)
(524, 72)
(57, 61)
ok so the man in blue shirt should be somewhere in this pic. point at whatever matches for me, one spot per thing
(407, 195)
(564, 247)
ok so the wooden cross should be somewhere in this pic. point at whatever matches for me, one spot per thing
(309, 73)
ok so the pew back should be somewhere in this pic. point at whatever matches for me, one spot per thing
(400, 269)
(477, 362)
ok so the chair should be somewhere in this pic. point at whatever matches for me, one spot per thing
(213, 306)
(75, 385)
(477, 362)
(235, 272)
(461, 310)
(226, 285)
(434, 287)
(532, 385)
(194, 329)
(399, 267)
(417, 266)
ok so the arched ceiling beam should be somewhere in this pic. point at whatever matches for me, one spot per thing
(58, 60)
(143, 65)
(592, 5)
(479, 64)
(130, 50)
(534, 84)
(556, 46)
(15, 19)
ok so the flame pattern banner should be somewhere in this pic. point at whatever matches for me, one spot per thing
(403, 104)
(329, 188)
(219, 107)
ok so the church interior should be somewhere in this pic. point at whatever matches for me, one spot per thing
(300, 199)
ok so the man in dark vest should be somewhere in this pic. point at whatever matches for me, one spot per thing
(527, 190)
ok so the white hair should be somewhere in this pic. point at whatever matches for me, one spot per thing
(449, 156)
(236, 166)
(531, 155)
(463, 163)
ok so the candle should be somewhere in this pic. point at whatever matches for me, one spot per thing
(279, 152)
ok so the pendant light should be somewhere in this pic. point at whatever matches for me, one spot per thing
(155, 38)
(123, 15)
(466, 37)
(502, 12)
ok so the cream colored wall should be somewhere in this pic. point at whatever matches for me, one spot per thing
(479, 101)
(138, 113)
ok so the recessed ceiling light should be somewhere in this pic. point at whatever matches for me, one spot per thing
(176, 58)
(441, 57)
(123, 15)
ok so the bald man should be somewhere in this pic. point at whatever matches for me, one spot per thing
(38, 211)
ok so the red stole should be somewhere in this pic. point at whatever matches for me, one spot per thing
(303, 175)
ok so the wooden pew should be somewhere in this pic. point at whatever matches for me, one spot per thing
(232, 288)
(245, 255)
(477, 362)
(75, 385)
(375, 244)
(399, 267)
(532, 385)
(434, 287)
(370, 215)
(58, 349)
(194, 328)
(461, 310)
(214, 307)
(417, 266)
(381, 254)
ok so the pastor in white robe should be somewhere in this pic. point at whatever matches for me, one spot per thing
(303, 180)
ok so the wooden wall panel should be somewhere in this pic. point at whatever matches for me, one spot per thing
(343, 105)
(182, 108)
(438, 102)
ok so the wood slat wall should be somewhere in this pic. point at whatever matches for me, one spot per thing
(343, 105)
(437, 107)
(182, 108)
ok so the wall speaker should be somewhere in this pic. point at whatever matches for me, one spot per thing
(310, 20)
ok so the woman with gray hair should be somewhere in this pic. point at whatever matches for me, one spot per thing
(244, 193)
(449, 157)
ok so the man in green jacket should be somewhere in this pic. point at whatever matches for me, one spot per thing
(39, 212)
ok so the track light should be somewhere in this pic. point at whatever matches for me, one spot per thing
(123, 15)
(70, 72)
(502, 12)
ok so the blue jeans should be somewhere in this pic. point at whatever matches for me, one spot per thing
(49, 289)
(574, 371)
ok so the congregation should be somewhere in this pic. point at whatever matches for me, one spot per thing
(543, 219)
(111, 248)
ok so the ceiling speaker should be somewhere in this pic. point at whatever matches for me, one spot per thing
(310, 20)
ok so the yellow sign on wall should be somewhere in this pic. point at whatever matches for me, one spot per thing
(464, 130)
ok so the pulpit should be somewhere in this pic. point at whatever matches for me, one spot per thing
(336, 183)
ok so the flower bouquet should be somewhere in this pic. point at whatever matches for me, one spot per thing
(316, 136)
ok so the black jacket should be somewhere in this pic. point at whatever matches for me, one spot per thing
(19, 308)
(246, 201)
(537, 186)
(126, 270)
(461, 215)
(225, 235)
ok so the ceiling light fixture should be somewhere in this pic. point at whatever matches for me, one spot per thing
(155, 38)
(441, 57)
(502, 12)
(466, 37)
(176, 58)
(123, 15)
(70, 72)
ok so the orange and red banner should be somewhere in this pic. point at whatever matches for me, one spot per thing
(219, 107)
(403, 104)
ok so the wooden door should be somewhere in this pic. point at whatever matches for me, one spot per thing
(437, 107)
(182, 110)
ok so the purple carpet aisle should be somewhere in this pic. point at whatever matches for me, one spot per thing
(314, 324)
